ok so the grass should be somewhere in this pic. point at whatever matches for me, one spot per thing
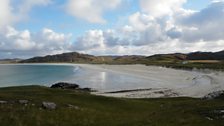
(102, 111)
(190, 65)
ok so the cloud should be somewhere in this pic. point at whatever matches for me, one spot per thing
(26, 5)
(162, 32)
(157, 8)
(90, 40)
(44, 42)
(158, 27)
(91, 10)
(203, 25)
(5, 13)
(11, 13)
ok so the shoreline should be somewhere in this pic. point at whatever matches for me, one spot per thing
(168, 82)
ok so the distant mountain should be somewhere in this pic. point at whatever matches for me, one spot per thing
(75, 57)
(10, 60)
(189, 56)
(206, 56)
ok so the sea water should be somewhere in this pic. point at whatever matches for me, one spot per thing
(16, 75)
(102, 78)
(48, 74)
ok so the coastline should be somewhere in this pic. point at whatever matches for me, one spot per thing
(168, 82)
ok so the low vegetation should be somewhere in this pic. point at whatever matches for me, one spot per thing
(93, 110)
(190, 65)
(199, 60)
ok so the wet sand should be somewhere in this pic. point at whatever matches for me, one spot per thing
(163, 82)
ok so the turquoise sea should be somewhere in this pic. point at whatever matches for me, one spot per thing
(48, 74)
(14, 75)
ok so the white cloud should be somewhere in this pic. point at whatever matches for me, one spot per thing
(5, 13)
(44, 42)
(10, 13)
(157, 8)
(179, 30)
(203, 25)
(91, 10)
(27, 5)
(140, 22)
(159, 27)
(91, 39)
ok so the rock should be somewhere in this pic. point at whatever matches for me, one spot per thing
(213, 95)
(63, 85)
(23, 101)
(49, 105)
(86, 89)
(3, 102)
(73, 107)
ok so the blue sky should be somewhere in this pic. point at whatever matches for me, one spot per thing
(56, 19)
(109, 27)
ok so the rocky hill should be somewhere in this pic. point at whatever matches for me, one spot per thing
(65, 57)
(206, 56)
(189, 56)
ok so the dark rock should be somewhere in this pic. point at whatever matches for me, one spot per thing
(3, 102)
(86, 89)
(213, 95)
(23, 101)
(49, 105)
(64, 85)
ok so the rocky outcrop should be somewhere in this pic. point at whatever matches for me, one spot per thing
(63, 85)
(214, 95)
(71, 86)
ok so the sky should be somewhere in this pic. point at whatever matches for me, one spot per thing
(109, 27)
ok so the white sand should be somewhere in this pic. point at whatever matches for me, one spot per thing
(164, 82)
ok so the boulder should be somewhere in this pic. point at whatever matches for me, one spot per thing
(3, 102)
(49, 105)
(214, 95)
(64, 85)
(73, 107)
(86, 89)
(23, 101)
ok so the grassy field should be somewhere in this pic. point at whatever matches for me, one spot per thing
(104, 111)
(213, 65)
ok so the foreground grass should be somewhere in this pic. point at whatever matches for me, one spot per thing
(103, 111)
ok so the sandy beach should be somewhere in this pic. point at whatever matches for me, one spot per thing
(129, 81)
(163, 82)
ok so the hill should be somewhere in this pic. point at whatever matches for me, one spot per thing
(10, 60)
(75, 57)
(206, 56)
(65, 57)
(189, 56)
